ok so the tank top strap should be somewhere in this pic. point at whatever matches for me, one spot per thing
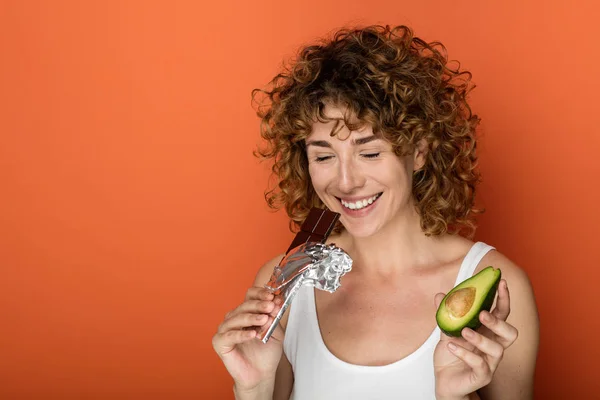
(298, 313)
(472, 260)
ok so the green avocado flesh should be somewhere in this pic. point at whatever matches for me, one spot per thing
(461, 306)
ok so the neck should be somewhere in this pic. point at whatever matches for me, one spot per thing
(398, 247)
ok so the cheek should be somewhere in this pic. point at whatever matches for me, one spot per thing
(395, 178)
(402, 185)
(318, 177)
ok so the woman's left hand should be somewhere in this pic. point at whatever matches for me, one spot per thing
(465, 364)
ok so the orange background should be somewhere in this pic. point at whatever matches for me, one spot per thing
(131, 208)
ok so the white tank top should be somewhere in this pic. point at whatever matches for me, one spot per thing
(318, 374)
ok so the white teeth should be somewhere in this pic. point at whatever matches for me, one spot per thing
(360, 204)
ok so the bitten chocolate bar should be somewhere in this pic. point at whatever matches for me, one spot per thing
(315, 228)
(308, 261)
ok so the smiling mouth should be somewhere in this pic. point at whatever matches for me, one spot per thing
(360, 204)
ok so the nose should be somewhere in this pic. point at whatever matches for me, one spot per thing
(350, 176)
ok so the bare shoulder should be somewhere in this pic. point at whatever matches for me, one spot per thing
(264, 273)
(522, 298)
(515, 276)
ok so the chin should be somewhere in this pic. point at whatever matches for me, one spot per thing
(360, 230)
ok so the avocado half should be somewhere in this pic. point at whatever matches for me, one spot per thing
(461, 306)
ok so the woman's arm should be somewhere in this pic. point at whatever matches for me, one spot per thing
(281, 387)
(514, 376)
(284, 380)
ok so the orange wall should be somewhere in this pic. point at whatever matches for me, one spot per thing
(131, 209)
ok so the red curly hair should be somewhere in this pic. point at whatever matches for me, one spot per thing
(400, 85)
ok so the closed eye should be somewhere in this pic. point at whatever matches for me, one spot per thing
(371, 155)
(323, 158)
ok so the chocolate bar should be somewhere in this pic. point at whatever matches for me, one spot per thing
(308, 261)
(316, 227)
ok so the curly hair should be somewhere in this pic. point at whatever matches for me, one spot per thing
(400, 85)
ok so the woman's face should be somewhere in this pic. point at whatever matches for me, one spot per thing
(358, 175)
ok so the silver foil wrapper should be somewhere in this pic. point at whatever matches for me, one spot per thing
(311, 264)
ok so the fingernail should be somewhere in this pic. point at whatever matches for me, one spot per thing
(468, 333)
(485, 316)
(452, 346)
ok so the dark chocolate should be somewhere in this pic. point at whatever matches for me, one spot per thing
(301, 237)
(312, 220)
(326, 224)
(316, 227)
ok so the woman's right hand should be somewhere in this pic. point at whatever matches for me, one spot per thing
(249, 361)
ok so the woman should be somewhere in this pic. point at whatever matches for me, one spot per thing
(374, 125)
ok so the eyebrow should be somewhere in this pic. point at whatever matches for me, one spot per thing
(356, 142)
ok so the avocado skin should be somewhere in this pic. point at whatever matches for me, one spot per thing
(474, 322)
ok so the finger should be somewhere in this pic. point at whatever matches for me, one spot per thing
(459, 341)
(502, 309)
(258, 293)
(242, 321)
(492, 350)
(223, 343)
(277, 333)
(506, 333)
(252, 306)
(480, 370)
(278, 300)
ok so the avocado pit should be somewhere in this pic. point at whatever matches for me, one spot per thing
(460, 302)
